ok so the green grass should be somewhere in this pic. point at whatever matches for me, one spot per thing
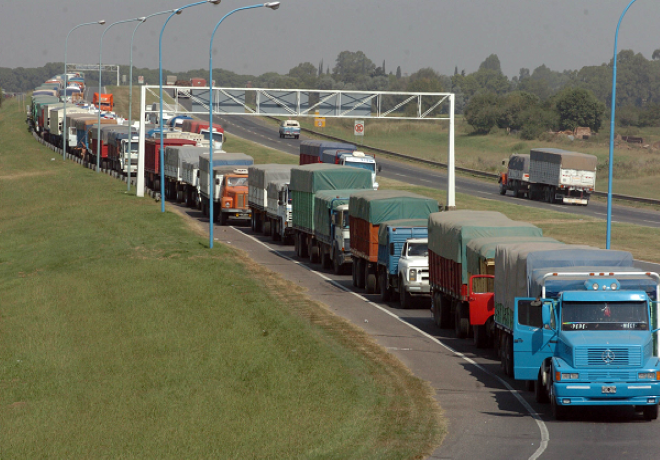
(124, 336)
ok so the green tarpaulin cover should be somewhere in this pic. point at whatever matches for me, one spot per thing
(376, 206)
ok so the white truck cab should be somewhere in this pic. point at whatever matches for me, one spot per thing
(414, 267)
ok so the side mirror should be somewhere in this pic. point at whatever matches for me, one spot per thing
(279, 202)
(380, 168)
(545, 311)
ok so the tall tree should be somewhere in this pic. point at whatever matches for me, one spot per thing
(492, 62)
(579, 107)
(352, 65)
(384, 71)
(398, 71)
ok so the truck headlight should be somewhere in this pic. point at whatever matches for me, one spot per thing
(647, 375)
(570, 376)
(412, 275)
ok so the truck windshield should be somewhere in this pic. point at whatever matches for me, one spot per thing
(344, 219)
(217, 137)
(604, 316)
(418, 249)
(236, 181)
(368, 166)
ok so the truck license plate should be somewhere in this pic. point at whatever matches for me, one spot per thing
(609, 390)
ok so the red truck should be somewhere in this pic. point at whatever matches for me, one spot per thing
(198, 82)
(152, 158)
(461, 267)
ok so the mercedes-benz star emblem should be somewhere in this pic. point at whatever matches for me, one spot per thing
(608, 356)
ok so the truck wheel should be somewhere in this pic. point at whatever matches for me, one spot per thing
(383, 288)
(354, 272)
(296, 244)
(404, 296)
(480, 336)
(540, 391)
(359, 271)
(458, 323)
(502, 190)
(313, 251)
(441, 312)
(224, 218)
(217, 213)
(265, 227)
(336, 266)
(325, 259)
(651, 412)
(369, 279)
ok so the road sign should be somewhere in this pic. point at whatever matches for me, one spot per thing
(319, 122)
(358, 128)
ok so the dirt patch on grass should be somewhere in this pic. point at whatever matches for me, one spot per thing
(27, 174)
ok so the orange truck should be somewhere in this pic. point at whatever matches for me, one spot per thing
(104, 101)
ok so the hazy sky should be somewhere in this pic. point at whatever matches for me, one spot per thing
(442, 34)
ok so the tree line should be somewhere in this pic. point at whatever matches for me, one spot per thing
(530, 103)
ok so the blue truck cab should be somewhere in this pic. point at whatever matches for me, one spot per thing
(589, 341)
(403, 268)
(289, 128)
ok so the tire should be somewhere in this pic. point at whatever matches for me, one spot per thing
(458, 324)
(303, 246)
(253, 220)
(336, 266)
(502, 190)
(313, 251)
(354, 272)
(296, 244)
(359, 271)
(325, 259)
(383, 288)
(369, 279)
(540, 391)
(224, 218)
(480, 336)
(217, 212)
(650, 412)
(265, 227)
(404, 296)
(441, 315)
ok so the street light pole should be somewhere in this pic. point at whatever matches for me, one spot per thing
(130, 99)
(160, 75)
(65, 134)
(272, 6)
(611, 159)
(98, 131)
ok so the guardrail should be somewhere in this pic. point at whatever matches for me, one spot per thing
(617, 196)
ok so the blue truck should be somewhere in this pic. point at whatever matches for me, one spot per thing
(403, 264)
(578, 325)
(289, 128)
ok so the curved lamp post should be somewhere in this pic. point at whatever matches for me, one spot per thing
(611, 160)
(160, 74)
(98, 131)
(65, 134)
(272, 6)
(130, 98)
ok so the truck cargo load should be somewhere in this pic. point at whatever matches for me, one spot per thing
(229, 190)
(311, 151)
(560, 175)
(259, 179)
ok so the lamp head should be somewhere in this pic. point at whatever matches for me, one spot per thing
(272, 5)
(215, 2)
(142, 19)
(179, 11)
(102, 21)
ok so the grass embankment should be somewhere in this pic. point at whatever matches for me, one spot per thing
(124, 336)
(636, 169)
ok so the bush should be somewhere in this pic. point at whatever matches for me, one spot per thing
(579, 107)
(482, 112)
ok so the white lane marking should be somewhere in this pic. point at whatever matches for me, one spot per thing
(545, 434)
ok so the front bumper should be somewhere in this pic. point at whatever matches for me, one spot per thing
(416, 288)
(607, 394)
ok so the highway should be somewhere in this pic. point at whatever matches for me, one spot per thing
(489, 415)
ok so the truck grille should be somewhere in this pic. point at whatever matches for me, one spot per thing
(604, 356)
(423, 275)
(612, 376)
(240, 199)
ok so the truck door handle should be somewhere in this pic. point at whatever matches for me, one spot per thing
(518, 341)
(553, 341)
